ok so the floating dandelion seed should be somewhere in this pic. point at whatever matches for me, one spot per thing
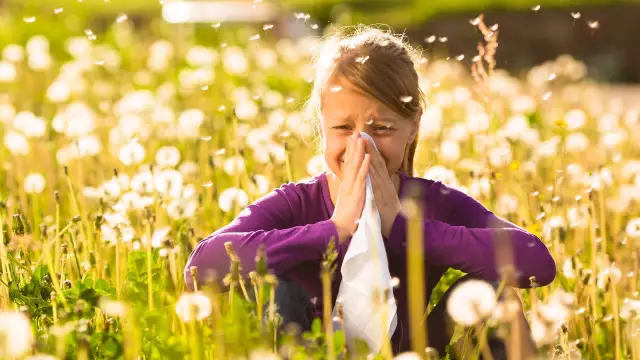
(436, 84)
(546, 96)
(100, 62)
(90, 34)
(460, 57)
(430, 39)
(255, 37)
(29, 19)
(552, 77)
(370, 121)
(122, 18)
(215, 26)
(223, 45)
(289, 100)
(336, 88)
(475, 21)
(535, 8)
(406, 99)
(576, 15)
(267, 26)
(221, 152)
(207, 184)
(303, 16)
(362, 59)
(443, 39)
(58, 10)
(314, 26)
(494, 27)
(222, 108)
(204, 87)
(593, 24)
(423, 60)
(476, 58)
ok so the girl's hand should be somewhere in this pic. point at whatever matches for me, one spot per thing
(384, 190)
(351, 193)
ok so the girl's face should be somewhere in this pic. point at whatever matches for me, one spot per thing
(348, 110)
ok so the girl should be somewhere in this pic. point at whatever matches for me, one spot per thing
(367, 82)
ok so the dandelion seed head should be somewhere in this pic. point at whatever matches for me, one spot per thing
(471, 302)
(234, 165)
(576, 15)
(16, 333)
(112, 308)
(34, 183)
(193, 306)
(16, 143)
(408, 355)
(231, 196)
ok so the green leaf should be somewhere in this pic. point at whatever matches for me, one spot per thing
(316, 326)
(40, 272)
(339, 341)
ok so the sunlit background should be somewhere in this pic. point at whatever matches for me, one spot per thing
(133, 129)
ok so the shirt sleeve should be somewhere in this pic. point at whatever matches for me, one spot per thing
(266, 222)
(465, 239)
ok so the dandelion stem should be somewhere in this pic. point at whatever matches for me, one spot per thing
(57, 238)
(6, 276)
(86, 234)
(594, 249)
(415, 275)
(75, 255)
(616, 319)
(195, 337)
(603, 225)
(482, 342)
(118, 294)
(326, 312)
(149, 277)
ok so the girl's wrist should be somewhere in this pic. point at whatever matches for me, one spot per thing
(343, 234)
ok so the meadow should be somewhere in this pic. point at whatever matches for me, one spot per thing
(121, 150)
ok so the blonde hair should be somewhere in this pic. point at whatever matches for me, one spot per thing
(377, 62)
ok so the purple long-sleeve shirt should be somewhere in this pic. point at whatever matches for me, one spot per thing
(293, 222)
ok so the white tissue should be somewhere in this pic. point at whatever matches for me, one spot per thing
(365, 270)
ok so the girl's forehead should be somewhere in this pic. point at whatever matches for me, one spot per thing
(340, 98)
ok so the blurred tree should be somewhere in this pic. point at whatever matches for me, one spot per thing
(397, 13)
